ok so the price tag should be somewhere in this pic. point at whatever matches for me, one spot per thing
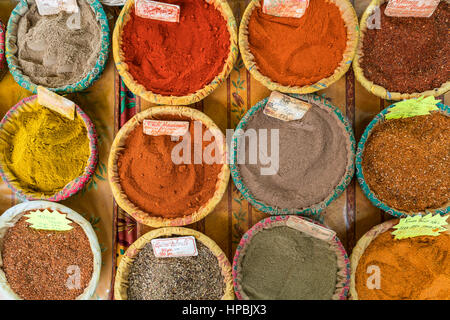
(56, 102)
(417, 226)
(285, 108)
(413, 107)
(311, 229)
(157, 10)
(174, 247)
(285, 8)
(48, 220)
(168, 128)
(411, 8)
(50, 7)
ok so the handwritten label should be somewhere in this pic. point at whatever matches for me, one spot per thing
(412, 108)
(50, 7)
(168, 128)
(417, 226)
(285, 108)
(56, 102)
(411, 8)
(157, 10)
(174, 247)
(48, 220)
(311, 229)
(285, 8)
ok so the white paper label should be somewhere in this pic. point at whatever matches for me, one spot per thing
(311, 229)
(174, 247)
(285, 108)
(168, 128)
(157, 10)
(411, 8)
(50, 7)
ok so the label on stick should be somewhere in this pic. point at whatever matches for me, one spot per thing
(286, 8)
(50, 7)
(174, 247)
(285, 108)
(310, 228)
(157, 10)
(411, 8)
(56, 102)
(165, 128)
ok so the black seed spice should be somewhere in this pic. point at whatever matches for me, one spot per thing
(182, 278)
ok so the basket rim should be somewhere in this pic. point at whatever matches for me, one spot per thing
(379, 118)
(375, 88)
(313, 210)
(141, 91)
(348, 55)
(263, 224)
(93, 75)
(114, 181)
(122, 272)
(71, 187)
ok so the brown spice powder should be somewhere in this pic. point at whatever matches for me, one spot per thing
(36, 261)
(409, 55)
(406, 162)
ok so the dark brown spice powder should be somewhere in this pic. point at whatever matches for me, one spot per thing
(36, 261)
(409, 55)
(406, 162)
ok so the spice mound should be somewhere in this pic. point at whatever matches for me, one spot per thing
(44, 150)
(53, 55)
(177, 59)
(410, 269)
(406, 162)
(37, 263)
(153, 182)
(285, 264)
(181, 278)
(312, 157)
(407, 54)
(298, 51)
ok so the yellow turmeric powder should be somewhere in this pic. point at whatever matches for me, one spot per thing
(409, 269)
(47, 150)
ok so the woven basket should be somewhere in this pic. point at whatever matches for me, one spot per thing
(12, 215)
(3, 67)
(360, 174)
(123, 271)
(114, 179)
(314, 210)
(7, 125)
(374, 88)
(140, 90)
(25, 81)
(343, 275)
(351, 22)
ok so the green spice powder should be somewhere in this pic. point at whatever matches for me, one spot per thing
(285, 264)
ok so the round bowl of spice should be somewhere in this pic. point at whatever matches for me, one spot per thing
(176, 63)
(290, 258)
(402, 163)
(386, 268)
(145, 273)
(47, 252)
(403, 57)
(312, 165)
(44, 155)
(168, 179)
(299, 55)
(3, 66)
(62, 51)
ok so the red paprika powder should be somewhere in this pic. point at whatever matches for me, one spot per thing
(177, 59)
(154, 183)
(298, 51)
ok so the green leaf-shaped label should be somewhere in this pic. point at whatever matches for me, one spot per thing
(412, 108)
(417, 226)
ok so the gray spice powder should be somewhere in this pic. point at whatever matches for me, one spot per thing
(181, 278)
